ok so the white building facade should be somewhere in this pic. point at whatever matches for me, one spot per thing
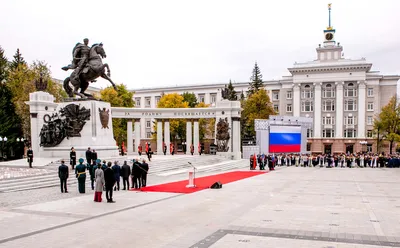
(343, 96)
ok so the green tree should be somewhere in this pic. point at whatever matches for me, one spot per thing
(231, 92)
(242, 97)
(121, 97)
(40, 69)
(190, 98)
(256, 80)
(3, 66)
(18, 60)
(387, 125)
(257, 106)
(177, 127)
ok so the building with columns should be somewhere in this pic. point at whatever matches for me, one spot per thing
(343, 96)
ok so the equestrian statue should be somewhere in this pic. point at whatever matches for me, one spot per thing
(87, 65)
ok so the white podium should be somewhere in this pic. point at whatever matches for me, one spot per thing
(192, 176)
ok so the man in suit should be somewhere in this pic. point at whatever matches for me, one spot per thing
(94, 155)
(72, 157)
(136, 174)
(88, 156)
(109, 179)
(63, 173)
(125, 172)
(29, 154)
(145, 168)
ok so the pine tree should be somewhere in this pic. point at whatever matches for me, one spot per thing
(242, 96)
(256, 80)
(18, 60)
(3, 66)
(231, 92)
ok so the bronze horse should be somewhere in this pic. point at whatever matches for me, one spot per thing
(94, 69)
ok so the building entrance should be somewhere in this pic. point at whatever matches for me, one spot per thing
(327, 148)
(349, 148)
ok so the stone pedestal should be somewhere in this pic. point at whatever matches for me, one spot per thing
(93, 134)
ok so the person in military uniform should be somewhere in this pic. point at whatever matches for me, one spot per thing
(80, 172)
(72, 158)
(80, 56)
(29, 154)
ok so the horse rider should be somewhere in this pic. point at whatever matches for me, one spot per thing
(80, 58)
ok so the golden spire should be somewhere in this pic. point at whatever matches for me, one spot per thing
(329, 8)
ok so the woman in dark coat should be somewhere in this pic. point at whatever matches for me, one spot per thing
(117, 173)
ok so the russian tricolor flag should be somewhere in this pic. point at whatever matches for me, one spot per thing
(284, 139)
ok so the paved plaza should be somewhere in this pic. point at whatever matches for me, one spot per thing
(289, 207)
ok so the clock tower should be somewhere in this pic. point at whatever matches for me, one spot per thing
(329, 32)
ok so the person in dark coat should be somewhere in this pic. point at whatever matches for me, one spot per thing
(92, 168)
(165, 149)
(94, 155)
(149, 153)
(29, 154)
(109, 179)
(117, 172)
(89, 156)
(145, 168)
(136, 174)
(72, 158)
(80, 172)
(125, 173)
(63, 173)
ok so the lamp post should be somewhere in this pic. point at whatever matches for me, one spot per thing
(3, 140)
(19, 141)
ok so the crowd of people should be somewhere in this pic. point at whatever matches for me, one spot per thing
(349, 160)
(104, 176)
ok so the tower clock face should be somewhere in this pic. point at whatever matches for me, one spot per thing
(329, 36)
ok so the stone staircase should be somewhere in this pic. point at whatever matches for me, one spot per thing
(159, 166)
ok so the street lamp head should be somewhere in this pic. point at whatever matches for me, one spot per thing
(1, 138)
(5, 139)
(17, 139)
(22, 139)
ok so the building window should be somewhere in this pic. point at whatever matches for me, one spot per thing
(350, 120)
(370, 106)
(137, 101)
(157, 100)
(370, 92)
(369, 147)
(350, 105)
(309, 133)
(350, 90)
(308, 147)
(328, 120)
(213, 98)
(350, 133)
(275, 95)
(288, 107)
(369, 120)
(328, 133)
(148, 135)
(328, 105)
(307, 92)
(328, 92)
(147, 102)
(148, 124)
(369, 134)
(201, 97)
(289, 95)
(276, 108)
(307, 106)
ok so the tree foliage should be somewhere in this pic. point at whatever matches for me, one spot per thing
(256, 82)
(190, 98)
(231, 92)
(4, 66)
(387, 125)
(206, 125)
(121, 97)
(18, 60)
(257, 106)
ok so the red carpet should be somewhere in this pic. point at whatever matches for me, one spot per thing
(201, 182)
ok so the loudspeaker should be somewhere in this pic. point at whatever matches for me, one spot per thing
(216, 185)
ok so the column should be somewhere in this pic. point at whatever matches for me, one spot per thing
(189, 140)
(236, 138)
(317, 110)
(361, 110)
(137, 134)
(167, 135)
(339, 110)
(129, 132)
(296, 100)
(196, 136)
(159, 137)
